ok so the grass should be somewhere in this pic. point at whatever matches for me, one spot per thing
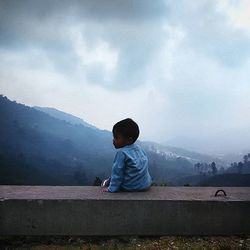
(124, 243)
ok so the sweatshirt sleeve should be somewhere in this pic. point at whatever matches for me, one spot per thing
(117, 173)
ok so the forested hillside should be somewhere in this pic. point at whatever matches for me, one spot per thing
(37, 148)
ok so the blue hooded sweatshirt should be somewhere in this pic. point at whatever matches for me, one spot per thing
(130, 170)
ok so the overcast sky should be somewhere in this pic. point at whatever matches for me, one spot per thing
(178, 68)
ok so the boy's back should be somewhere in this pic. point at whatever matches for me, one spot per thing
(130, 170)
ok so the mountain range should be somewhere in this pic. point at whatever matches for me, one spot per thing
(46, 146)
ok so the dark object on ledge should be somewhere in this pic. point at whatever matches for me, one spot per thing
(218, 191)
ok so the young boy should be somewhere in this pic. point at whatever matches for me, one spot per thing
(130, 167)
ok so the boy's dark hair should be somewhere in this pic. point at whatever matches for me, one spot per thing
(127, 128)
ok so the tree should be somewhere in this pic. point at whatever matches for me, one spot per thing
(248, 160)
(197, 167)
(240, 167)
(222, 170)
(245, 158)
(235, 164)
(214, 168)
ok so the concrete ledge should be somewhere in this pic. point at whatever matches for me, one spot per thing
(57, 210)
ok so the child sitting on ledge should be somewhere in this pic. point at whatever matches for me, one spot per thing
(130, 167)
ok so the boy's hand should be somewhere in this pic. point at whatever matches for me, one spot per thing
(105, 189)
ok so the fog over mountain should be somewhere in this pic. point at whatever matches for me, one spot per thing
(46, 146)
(64, 116)
(231, 141)
(178, 68)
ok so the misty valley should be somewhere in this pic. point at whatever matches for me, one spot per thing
(45, 146)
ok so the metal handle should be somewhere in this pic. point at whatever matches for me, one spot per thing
(220, 190)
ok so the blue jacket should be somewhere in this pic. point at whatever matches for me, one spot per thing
(130, 169)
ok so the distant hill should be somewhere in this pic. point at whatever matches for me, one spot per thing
(233, 170)
(60, 149)
(192, 180)
(64, 116)
(231, 180)
(175, 152)
(69, 152)
(227, 180)
(227, 144)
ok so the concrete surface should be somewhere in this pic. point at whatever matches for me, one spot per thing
(74, 210)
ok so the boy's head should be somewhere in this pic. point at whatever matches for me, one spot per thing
(125, 132)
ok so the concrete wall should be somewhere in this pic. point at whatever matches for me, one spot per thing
(54, 210)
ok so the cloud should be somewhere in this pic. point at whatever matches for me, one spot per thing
(209, 31)
(177, 67)
(133, 30)
(238, 13)
(113, 23)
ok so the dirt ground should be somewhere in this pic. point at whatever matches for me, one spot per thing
(124, 242)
